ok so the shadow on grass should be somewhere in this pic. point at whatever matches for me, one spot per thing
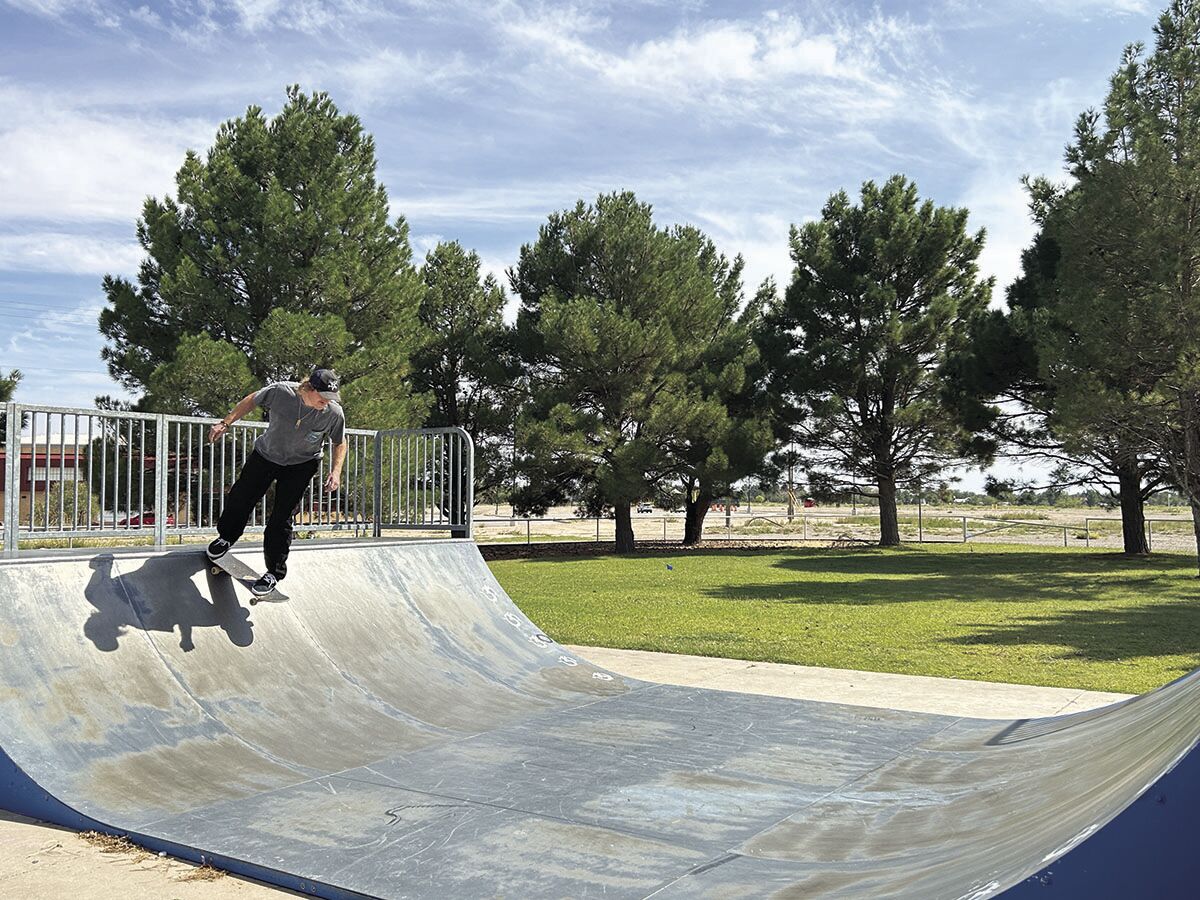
(918, 561)
(1101, 635)
(1024, 577)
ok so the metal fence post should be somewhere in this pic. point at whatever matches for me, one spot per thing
(377, 491)
(161, 483)
(964, 518)
(12, 476)
(1150, 534)
(1087, 531)
(470, 504)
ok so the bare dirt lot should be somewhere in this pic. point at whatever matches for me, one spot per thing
(1168, 528)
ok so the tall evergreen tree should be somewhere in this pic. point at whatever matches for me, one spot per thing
(1131, 250)
(1026, 379)
(715, 457)
(279, 252)
(616, 314)
(465, 363)
(879, 296)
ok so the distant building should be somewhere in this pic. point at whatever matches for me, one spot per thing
(42, 469)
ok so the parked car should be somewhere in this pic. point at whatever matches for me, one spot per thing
(139, 520)
(645, 507)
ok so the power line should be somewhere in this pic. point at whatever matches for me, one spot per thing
(55, 369)
(75, 303)
(56, 311)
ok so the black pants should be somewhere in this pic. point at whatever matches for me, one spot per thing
(251, 486)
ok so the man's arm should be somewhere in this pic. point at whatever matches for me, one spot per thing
(245, 405)
(335, 471)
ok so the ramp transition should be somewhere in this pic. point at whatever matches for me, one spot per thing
(400, 729)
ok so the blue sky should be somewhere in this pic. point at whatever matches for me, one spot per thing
(738, 117)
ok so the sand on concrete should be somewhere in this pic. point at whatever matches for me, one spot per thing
(44, 862)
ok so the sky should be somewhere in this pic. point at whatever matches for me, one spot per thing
(737, 117)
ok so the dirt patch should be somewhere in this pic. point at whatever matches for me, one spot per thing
(202, 873)
(110, 843)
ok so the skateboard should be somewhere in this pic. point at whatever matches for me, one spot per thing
(232, 566)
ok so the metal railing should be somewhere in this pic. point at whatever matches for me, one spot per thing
(75, 473)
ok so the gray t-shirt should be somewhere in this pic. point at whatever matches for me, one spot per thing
(295, 432)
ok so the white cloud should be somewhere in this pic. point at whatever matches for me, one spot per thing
(49, 331)
(780, 72)
(94, 10)
(727, 53)
(51, 9)
(59, 163)
(998, 203)
(512, 203)
(254, 14)
(68, 253)
(307, 16)
(985, 13)
(146, 16)
(387, 74)
(1077, 7)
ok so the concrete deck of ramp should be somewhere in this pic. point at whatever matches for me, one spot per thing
(400, 729)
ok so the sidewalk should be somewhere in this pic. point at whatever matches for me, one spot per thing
(43, 862)
(914, 693)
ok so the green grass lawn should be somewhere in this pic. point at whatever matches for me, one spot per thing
(997, 613)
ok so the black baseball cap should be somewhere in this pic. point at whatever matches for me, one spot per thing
(326, 383)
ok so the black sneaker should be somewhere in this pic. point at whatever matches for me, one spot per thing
(218, 548)
(264, 585)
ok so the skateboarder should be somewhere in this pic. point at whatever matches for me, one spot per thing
(299, 415)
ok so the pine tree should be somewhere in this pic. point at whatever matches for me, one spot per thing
(277, 254)
(879, 296)
(616, 318)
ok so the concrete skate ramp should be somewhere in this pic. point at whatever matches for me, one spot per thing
(400, 729)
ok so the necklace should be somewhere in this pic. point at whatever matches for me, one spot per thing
(300, 418)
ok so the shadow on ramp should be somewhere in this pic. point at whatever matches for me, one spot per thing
(162, 596)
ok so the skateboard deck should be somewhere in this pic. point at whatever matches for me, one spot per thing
(232, 566)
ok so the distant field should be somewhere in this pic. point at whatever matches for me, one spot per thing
(992, 612)
(1170, 528)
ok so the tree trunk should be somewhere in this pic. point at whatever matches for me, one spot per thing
(624, 528)
(889, 523)
(1133, 512)
(1196, 528)
(1188, 469)
(696, 510)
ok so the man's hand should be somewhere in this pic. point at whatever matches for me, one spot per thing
(333, 482)
(216, 431)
